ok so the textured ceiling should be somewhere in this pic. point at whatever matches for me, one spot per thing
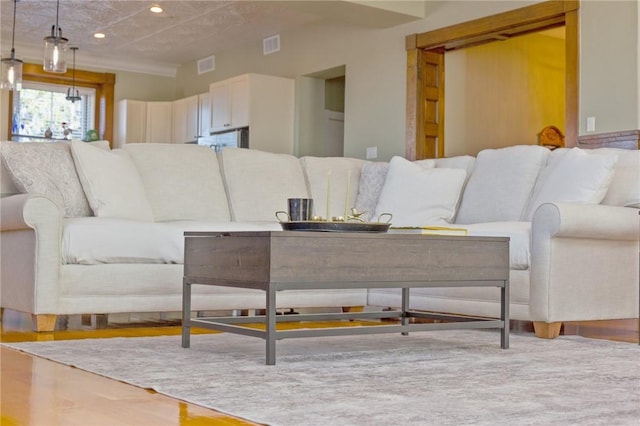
(186, 31)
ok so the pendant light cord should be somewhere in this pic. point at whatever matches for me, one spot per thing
(56, 32)
(13, 31)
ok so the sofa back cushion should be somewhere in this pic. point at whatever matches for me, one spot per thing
(111, 182)
(624, 189)
(501, 184)
(48, 169)
(182, 182)
(573, 175)
(338, 174)
(259, 183)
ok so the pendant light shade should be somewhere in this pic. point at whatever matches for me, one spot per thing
(73, 94)
(11, 68)
(55, 48)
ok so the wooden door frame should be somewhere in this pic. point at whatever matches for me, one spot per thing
(103, 83)
(525, 20)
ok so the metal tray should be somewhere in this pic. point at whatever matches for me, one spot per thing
(322, 226)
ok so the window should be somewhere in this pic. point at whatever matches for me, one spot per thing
(42, 112)
(103, 85)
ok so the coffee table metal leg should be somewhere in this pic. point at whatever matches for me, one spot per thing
(186, 314)
(271, 326)
(405, 308)
(504, 315)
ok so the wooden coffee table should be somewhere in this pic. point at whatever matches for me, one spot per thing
(285, 260)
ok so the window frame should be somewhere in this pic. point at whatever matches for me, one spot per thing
(87, 103)
(103, 83)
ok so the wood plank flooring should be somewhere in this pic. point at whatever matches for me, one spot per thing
(35, 391)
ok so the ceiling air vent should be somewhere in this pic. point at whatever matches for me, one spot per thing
(271, 45)
(206, 64)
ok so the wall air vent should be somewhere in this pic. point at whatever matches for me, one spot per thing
(206, 64)
(271, 45)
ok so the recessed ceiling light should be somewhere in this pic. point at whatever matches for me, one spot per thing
(155, 9)
(99, 35)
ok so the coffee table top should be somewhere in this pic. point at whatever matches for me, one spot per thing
(298, 257)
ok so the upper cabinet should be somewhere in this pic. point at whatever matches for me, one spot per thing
(261, 102)
(229, 104)
(131, 122)
(185, 120)
(159, 122)
(140, 122)
(204, 114)
(181, 121)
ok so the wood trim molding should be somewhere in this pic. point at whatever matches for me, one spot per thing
(537, 16)
(525, 20)
(629, 139)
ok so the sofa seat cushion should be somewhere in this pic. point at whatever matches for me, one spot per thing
(519, 243)
(92, 240)
(182, 182)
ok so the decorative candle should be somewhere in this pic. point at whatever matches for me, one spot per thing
(346, 199)
(329, 196)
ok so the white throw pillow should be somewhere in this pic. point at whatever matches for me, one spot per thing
(416, 196)
(573, 175)
(501, 183)
(111, 182)
(372, 177)
(625, 184)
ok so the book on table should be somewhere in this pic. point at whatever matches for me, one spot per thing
(428, 230)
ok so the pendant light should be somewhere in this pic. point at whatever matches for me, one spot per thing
(73, 94)
(55, 48)
(11, 69)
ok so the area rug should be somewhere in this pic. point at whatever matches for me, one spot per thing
(454, 377)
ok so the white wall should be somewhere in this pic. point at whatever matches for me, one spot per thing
(375, 61)
(609, 85)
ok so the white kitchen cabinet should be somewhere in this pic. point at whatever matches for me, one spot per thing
(131, 122)
(204, 114)
(261, 102)
(140, 122)
(159, 122)
(185, 120)
(229, 104)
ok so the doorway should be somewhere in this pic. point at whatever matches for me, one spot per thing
(425, 136)
(320, 121)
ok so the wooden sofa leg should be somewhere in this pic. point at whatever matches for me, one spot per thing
(44, 322)
(547, 330)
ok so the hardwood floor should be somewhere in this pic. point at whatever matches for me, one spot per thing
(35, 391)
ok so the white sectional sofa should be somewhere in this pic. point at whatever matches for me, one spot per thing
(88, 230)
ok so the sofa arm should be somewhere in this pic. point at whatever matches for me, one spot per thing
(584, 262)
(31, 228)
